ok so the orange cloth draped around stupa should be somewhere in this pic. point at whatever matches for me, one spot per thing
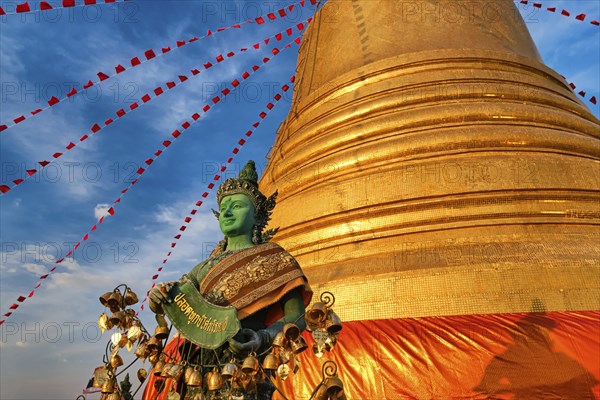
(554, 355)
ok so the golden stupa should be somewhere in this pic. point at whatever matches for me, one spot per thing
(431, 164)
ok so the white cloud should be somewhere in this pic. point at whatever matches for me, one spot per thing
(35, 269)
(101, 210)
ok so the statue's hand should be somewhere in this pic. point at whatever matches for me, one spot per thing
(245, 342)
(158, 295)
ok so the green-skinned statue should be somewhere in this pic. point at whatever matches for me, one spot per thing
(260, 279)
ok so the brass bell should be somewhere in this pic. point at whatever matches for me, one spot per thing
(153, 344)
(250, 365)
(158, 367)
(114, 300)
(173, 395)
(334, 386)
(130, 297)
(317, 313)
(271, 362)
(229, 370)
(166, 370)
(100, 376)
(141, 351)
(291, 331)
(161, 332)
(117, 318)
(321, 393)
(109, 386)
(279, 340)
(116, 361)
(195, 378)
(153, 358)
(142, 374)
(334, 323)
(214, 381)
(176, 371)
(299, 345)
(104, 298)
(188, 372)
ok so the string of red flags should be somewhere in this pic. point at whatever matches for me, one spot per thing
(98, 126)
(148, 162)
(579, 17)
(25, 7)
(149, 54)
(240, 143)
(582, 93)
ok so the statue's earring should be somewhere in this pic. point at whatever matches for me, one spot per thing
(256, 237)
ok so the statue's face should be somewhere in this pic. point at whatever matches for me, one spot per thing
(236, 215)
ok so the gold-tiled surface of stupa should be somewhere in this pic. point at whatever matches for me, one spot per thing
(432, 165)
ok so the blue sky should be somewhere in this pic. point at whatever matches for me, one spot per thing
(49, 347)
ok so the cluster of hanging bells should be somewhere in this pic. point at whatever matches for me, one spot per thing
(325, 326)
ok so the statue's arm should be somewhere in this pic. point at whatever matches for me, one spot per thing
(293, 310)
(158, 294)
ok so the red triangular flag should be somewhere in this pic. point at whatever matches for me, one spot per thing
(135, 61)
(149, 54)
(45, 6)
(4, 188)
(565, 13)
(119, 68)
(23, 7)
(53, 100)
(580, 17)
(102, 76)
(72, 92)
(68, 3)
(259, 20)
(88, 84)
